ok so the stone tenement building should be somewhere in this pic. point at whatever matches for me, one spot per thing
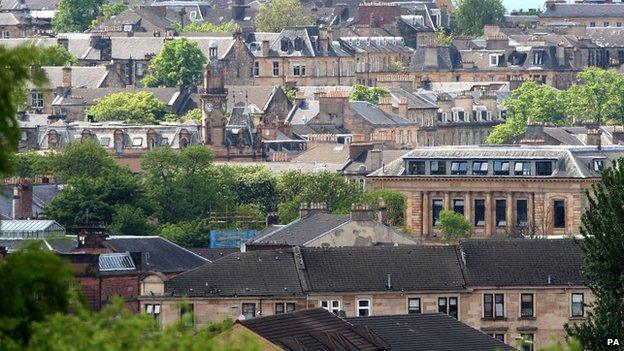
(505, 288)
(501, 190)
(585, 14)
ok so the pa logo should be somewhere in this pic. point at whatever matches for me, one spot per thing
(613, 342)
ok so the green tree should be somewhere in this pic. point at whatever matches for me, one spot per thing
(171, 176)
(276, 15)
(75, 15)
(453, 226)
(57, 55)
(180, 61)
(116, 328)
(472, 15)
(194, 233)
(531, 102)
(602, 246)
(207, 27)
(18, 67)
(96, 199)
(130, 220)
(194, 115)
(332, 189)
(598, 97)
(394, 202)
(443, 39)
(251, 185)
(78, 160)
(34, 283)
(140, 108)
(363, 93)
(109, 11)
(30, 165)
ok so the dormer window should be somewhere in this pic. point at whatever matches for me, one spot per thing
(544, 168)
(502, 114)
(285, 44)
(440, 116)
(416, 168)
(522, 168)
(480, 167)
(538, 58)
(598, 164)
(438, 167)
(501, 167)
(298, 44)
(494, 58)
(459, 167)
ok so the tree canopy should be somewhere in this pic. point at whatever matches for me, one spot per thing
(531, 102)
(34, 283)
(180, 61)
(75, 15)
(19, 67)
(472, 15)
(453, 226)
(364, 93)
(208, 27)
(602, 246)
(276, 15)
(141, 108)
(597, 98)
(57, 55)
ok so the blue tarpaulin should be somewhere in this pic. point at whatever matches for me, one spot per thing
(224, 238)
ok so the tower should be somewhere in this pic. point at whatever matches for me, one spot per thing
(214, 100)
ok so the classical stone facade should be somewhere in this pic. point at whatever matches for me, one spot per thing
(502, 191)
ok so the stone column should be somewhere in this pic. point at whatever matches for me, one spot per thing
(488, 214)
(426, 223)
(447, 201)
(509, 211)
(468, 206)
(531, 210)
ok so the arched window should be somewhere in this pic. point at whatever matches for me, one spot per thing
(53, 141)
(119, 141)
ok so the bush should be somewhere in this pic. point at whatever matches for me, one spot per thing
(453, 226)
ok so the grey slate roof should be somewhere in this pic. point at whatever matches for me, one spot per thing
(314, 329)
(255, 273)
(572, 161)
(8, 19)
(428, 332)
(606, 37)
(375, 116)
(213, 254)
(302, 230)
(367, 269)
(81, 77)
(161, 255)
(522, 262)
(42, 194)
(584, 10)
(448, 58)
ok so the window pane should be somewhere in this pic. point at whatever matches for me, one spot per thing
(559, 209)
(499, 305)
(521, 212)
(417, 168)
(479, 220)
(501, 213)
(526, 305)
(413, 305)
(290, 307)
(543, 168)
(488, 306)
(458, 206)
(453, 308)
(437, 207)
(279, 308)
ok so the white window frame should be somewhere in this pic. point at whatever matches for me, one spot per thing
(275, 68)
(154, 309)
(368, 308)
(256, 69)
(330, 305)
(6, 34)
(36, 99)
(420, 306)
(572, 304)
(494, 63)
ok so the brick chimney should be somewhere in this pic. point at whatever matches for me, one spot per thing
(264, 48)
(403, 106)
(22, 200)
(306, 209)
(362, 212)
(299, 98)
(374, 159)
(594, 136)
(92, 238)
(385, 104)
(67, 77)
(618, 136)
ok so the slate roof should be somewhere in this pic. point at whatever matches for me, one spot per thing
(367, 269)
(324, 153)
(606, 37)
(362, 163)
(376, 116)
(448, 58)
(303, 112)
(161, 255)
(314, 329)
(81, 77)
(256, 95)
(213, 254)
(28, 4)
(428, 332)
(8, 19)
(254, 273)
(572, 161)
(394, 45)
(584, 10)
(135, 16)
(302, 230)
(522, 262)
(42, 194)
(414, 101)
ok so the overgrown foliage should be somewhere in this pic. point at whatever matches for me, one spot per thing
(276, 15)
(208, 27)
(602, 246)
(394, 202)
(453, 226)
(34, 284)
(19, 66)
(597, 98)
(364, 93)
(141, 108)
(57, 55)
(443, 39)
(472, 15)
(180, 61)
(75, 15)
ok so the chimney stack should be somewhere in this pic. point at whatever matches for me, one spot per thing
(382, 211)
(91, 236)
(67, 76)
(306, 209)
(362, 213)
(22, 200)
(375, 158)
